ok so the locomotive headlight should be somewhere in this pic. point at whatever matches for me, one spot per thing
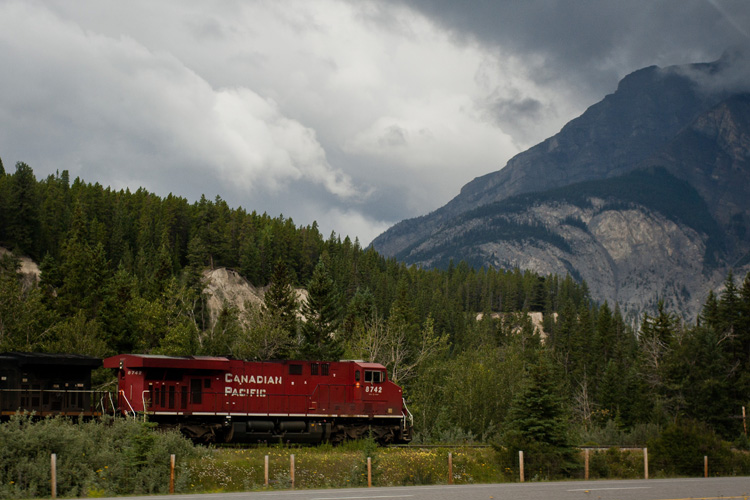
(356, 385)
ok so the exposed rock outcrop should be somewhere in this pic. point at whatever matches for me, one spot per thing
(570, 204)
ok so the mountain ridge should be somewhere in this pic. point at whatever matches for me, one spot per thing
(658, 120)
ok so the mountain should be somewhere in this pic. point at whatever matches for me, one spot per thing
(644, 196)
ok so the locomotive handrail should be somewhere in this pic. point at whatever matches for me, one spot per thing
(103, 406)
(314, 396)
(143, 398)
(125, 398)
(407, 414)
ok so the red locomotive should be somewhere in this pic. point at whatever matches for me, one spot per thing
(222, 399)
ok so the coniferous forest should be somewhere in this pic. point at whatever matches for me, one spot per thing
(122, 271)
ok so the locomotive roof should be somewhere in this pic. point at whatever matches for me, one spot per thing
(159, 361)
(44, 358)
(202, 362)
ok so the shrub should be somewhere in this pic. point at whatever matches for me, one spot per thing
(616, 464)
(680, 449)
(94, 458)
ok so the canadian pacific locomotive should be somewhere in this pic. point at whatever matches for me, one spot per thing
(216, 399)
(222, 399)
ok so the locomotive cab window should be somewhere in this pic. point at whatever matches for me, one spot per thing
(313, 368)
(374, 377)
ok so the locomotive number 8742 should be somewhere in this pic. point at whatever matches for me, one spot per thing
(220, 399)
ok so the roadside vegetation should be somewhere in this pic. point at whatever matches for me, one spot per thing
(95, 458)
(121, 272)
(124, 457)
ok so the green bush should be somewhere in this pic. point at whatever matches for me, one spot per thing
(94, 458)
(680, 449)
(616, 464)
(610, 434)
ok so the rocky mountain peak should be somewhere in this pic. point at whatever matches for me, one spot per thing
(672, 231)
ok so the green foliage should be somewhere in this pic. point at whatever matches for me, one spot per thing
(109, 457)
(612, 434)
(280, 301)
(321, 337)
(616, 464)
(537, 425)
(682, 446)
(24, 318)
(123, 271)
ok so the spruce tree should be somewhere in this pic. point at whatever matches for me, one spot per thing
(323, 313)
(23, 210)
(280, 301)
(537, 422)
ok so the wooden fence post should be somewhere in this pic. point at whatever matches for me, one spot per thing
(744, 422)
(520, 464)
(291, 469)
(645, 463)
(266, 472)
(705, 465)
(586, 464)
(171, 474)
(53, 474)
(369, 472)
(450, 468)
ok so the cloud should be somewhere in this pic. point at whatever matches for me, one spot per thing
(730, 74)
(592, 44)
(93, 102)
(355, 113)
(354, 223)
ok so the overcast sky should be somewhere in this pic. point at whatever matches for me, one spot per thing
(356, 114)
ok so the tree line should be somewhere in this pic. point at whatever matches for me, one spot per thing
(123, 271)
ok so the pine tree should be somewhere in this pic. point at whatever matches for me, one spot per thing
(323, 313)
(23, 210)
(537, 422)
(280, 301)
(709, 315)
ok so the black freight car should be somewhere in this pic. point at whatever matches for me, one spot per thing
(49, 384)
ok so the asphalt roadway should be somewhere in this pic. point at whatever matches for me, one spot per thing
(651, 489)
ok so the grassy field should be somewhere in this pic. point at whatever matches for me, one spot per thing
(344, 466)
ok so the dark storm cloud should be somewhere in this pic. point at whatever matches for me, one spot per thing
(594, 43)
(518, 113)
(730, 75)
(356, 114)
